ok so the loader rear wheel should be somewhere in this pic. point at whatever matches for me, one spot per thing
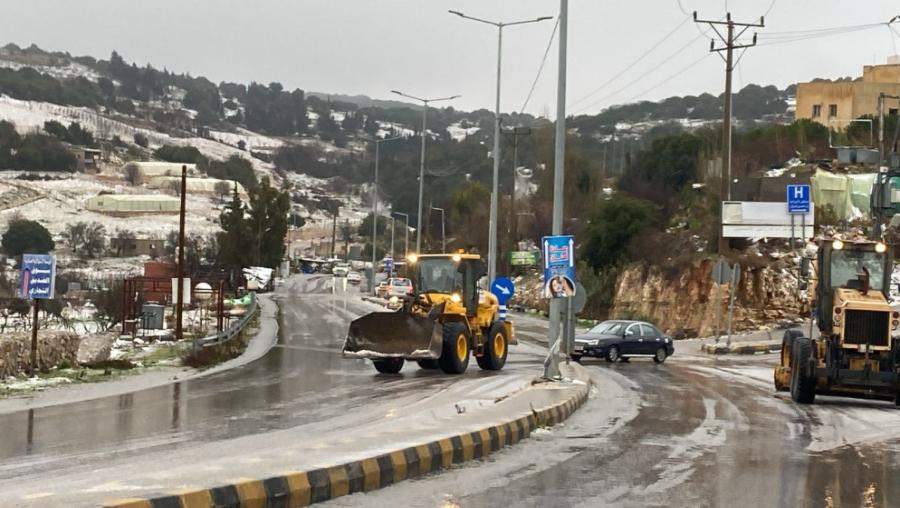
(455, 349)
(428, 364)
(496, 348)
(388, 365)
(803, 387)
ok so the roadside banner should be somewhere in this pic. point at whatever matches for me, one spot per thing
(524, 258)
(37, 279)
(559, 266)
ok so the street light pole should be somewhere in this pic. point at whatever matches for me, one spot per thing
(443, 229)
(514, 227)
(375, 205)
(392, 237)
(425, 103)
(551, 364)
(492, 223)
(406, 234)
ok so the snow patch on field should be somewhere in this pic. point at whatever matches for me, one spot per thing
(460, 133)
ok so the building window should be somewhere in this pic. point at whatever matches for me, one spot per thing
(817, 110)
(892, 111)
(832, 110)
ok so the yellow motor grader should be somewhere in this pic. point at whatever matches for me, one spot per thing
(444, 322)
(855, 353)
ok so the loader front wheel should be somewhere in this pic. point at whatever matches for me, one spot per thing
(496, 348)
(388, 365)
(455, 350)
(803, 387)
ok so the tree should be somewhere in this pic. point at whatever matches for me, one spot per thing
(132, 173)
(234, 240)
(26, 236)
(234, 168)
(268, 218)
(613, 225)
(123, 237)
(183, 154)
(85, 238)
(141, 140)
(222, 189)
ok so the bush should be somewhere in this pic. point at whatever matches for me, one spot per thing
(612, 227)
(183, 154)
(140, 139)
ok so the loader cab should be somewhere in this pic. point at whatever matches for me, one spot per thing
(861, 266)
(449, 274)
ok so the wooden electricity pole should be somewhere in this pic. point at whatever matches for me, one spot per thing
(730, 41)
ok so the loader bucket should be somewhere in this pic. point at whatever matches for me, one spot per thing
(394, 335)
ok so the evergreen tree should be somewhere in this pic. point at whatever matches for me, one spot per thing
(234, 239)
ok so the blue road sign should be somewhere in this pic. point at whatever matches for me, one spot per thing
(559, 266)
(37, 279)
(504, 289)
(798, 198)
(389, 264)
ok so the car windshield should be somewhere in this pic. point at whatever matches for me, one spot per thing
(847, 265)
(439, 275)
(609, 328)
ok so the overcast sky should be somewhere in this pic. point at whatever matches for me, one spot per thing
(372, 46)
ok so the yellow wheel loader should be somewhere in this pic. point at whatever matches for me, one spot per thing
(856, 353)
(446, 320)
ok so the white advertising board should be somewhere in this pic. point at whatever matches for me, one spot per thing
(750, 219)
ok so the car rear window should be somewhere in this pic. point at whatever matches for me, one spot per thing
(401, 282)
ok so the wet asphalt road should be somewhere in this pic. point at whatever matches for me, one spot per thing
(303, 379)
(690, 432)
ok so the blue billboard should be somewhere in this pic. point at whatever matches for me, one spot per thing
(559, 266)
(37, 279)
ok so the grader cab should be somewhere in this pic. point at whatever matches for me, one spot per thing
(855, 353)
(446, 320)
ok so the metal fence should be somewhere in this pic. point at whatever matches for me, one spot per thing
(233, 330)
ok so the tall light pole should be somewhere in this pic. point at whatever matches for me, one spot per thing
(406, 234)
(492, 223)
(392, 236)
(425, 103)
(515, 132)
(378, 143)
(443, 229)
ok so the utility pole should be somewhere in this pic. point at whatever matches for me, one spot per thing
(334, 230)
(730, 44)
(405, 234)
(179, 302)
(443, 229)
(551, 364)
(392, 236)
(375, 208)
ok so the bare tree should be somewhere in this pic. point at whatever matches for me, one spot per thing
(85, 238)
(222, 189)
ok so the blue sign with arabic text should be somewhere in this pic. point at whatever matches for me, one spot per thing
(37, 279)
(798, 198)
(559, 266)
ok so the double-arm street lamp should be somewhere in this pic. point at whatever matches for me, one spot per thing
(492, 225)
(425, 103)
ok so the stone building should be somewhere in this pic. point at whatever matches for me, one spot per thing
(834, 103)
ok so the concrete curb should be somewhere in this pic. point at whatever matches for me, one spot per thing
(742, 349)
(364, 475)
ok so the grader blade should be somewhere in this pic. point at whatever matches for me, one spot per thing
(394, 335)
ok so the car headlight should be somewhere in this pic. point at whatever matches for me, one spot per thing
(592, 342)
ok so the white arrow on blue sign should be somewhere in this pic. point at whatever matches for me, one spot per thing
(504, 289)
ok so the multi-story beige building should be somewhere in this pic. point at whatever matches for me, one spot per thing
(834, 103)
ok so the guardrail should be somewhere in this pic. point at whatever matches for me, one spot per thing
(233, 330)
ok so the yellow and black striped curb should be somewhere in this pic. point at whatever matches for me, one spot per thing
(742, 349)
(305, 488)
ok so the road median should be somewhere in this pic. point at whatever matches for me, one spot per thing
(467, 437)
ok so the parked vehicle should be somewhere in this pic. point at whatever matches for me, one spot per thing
(340, 270)
(354, 277)
(619, 339)
(383, 290)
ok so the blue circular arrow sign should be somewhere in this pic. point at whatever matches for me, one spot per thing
(504, 289)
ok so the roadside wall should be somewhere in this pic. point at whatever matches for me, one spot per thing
(53, 348)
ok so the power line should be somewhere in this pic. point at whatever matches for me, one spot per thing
(667, 79)
(541, 68)
(667, 59)
(632, 64)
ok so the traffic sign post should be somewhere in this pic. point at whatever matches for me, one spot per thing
(37, 281)
(504, 289)
(559, 266)
(798, 201)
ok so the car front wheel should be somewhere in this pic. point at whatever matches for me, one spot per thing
(660, 355)
(612, 354)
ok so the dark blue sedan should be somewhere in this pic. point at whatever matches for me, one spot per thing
(620, 339)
